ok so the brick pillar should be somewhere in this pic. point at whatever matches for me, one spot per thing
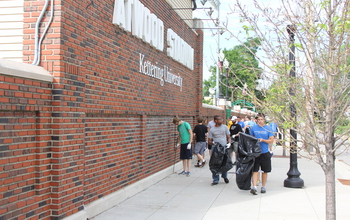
(68, 155)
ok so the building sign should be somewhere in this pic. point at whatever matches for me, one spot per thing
(162, 73)
(134, 17)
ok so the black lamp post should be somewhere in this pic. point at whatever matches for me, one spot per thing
(226, 65)
(293, 180)
(221, 60)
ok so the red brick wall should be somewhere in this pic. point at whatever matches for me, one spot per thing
(208, 113)
(103, 125)
(25, 141)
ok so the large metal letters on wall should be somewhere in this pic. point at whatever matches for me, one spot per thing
(133, 16)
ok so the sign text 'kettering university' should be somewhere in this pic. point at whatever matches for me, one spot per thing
(163, 74)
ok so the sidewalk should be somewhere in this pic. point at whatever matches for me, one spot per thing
(193, 198)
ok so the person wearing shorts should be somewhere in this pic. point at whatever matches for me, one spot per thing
(265, 136)
(184, 141)
(200, 134)
(235, 129)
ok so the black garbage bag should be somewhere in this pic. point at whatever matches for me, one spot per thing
(248, 149)
(220, 160)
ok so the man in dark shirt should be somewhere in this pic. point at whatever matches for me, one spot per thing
(200, 132)
(235, 129)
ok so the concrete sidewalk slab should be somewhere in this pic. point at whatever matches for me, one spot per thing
(181, 197)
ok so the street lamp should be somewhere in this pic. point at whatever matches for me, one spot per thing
(216, 5)
(220, 63)
(293, 180)
(226, 65)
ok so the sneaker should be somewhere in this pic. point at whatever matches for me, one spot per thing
(182, 173)
(254, 191)
(203, 163)
(214, 183)
(226, 180)
(188, 174)
(198, 165)
(263, 190)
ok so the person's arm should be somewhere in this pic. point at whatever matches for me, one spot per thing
(194, 136)
(191, 135)
(228, 139)
(240, 129)
(210, 138)
(268, 141)
(210, 141)
(178, 140)
(228, 136)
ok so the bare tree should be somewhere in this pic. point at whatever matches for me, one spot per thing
(319, 91)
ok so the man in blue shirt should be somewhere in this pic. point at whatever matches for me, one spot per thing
(265, 135)
(275, 130)
(240, 121)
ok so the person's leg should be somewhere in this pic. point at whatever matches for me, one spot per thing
(254, 189)
(231, 150)
(205, 148)
(224, 176)
(236, 156)
(200, 158)
(209, 148)
(188, 165)
(182, 157)
(255, 178)
(215, 179)
(258, 181)
(264, 179)
(266, 168)
(196, 152)
(184, 165)
(235, 150)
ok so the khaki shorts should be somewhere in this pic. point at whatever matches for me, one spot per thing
(234, 147)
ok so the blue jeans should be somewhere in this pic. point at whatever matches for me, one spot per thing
(217, 177)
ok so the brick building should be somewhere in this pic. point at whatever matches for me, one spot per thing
(86, 112)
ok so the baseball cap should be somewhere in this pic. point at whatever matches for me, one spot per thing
(233, 118)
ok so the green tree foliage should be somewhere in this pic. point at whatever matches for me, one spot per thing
(210, 83)
(243, 69)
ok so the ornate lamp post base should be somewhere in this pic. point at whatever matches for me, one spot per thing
(293, 180)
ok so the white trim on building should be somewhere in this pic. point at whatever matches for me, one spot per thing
(11, 29)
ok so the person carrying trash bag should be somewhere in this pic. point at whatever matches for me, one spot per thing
(248, 150)
(220, 161)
